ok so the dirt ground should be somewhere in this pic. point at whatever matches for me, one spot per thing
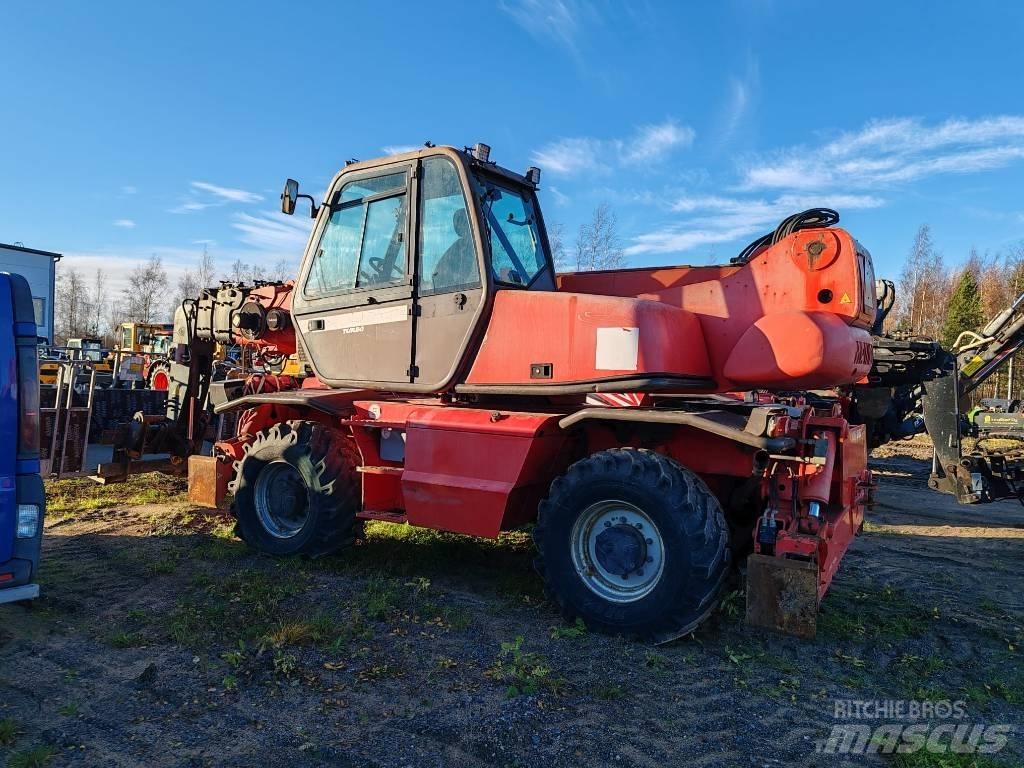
(161, 641)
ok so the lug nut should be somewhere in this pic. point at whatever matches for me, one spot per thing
(650, 559)
(639, 526)
(649, 541)
(607, 523)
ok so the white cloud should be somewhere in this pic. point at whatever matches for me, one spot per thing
(273, 231)
(713, 219)
(569, 156)
(653, 142)
(560, 197)
(125, 223)
(887, 152)
(555, 21)
(128, 189)
(399, 149)
(203, 195)
(650, 143)
(227, 194)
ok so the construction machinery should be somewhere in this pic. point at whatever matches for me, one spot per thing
(142, 353)
(915, 385)
(662, 427)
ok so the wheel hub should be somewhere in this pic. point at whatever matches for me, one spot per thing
(617, 551)
(281, 500)
(620, 549)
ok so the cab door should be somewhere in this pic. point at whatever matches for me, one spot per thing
(449, 291)
(353, 303)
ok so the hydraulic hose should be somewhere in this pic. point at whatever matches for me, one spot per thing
(809, 219)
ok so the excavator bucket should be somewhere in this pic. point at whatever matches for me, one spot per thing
(782, 595)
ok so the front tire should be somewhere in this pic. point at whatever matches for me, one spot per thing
(634, 544)
(296, 491)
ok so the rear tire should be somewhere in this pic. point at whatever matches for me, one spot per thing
(634, 544)
(296, 490)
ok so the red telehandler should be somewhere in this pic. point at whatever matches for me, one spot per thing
(662, 427)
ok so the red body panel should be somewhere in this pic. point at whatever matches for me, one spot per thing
(771, 311)
(467, 473)
(586, 338)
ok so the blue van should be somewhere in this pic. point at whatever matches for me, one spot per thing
(22, 502)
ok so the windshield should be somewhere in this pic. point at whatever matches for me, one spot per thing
(510, 221)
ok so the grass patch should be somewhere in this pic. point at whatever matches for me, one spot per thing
(523, 672)
(125, 639)
(9, 731)
(503, 565)
(872, 614)
(923, 759)
(32, 758)
(569, 631)
(244, 606)
(67, 498)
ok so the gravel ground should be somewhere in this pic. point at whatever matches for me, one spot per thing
(161, 641)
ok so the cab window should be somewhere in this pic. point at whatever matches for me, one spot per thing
(364, 241)
(510, 217)
(447, 254)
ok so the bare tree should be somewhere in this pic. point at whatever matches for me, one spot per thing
(556, 240)
(206, 274)
(283, 270)
(598, 245)
(71, 306)
(238, 271)
(98, 301)
(145, 296)
(924, 287)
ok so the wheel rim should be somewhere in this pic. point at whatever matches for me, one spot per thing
(617, 551)
(281, 502)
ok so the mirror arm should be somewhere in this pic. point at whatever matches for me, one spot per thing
(313, 207)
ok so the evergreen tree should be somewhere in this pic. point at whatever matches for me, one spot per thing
(964, 312)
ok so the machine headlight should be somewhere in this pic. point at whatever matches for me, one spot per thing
(28, 520)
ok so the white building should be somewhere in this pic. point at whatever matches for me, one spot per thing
(39, 268)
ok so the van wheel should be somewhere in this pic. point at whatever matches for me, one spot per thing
(634, 544)
(296, 490)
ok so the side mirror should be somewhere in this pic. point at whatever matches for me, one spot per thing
(289, 196)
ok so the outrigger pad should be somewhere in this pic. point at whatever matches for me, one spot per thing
(782, 595)
(207, 486)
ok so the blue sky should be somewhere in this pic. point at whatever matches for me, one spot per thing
(137, 128)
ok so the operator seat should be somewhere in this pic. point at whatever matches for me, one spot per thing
(456, 265)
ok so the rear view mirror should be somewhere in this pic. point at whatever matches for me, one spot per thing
(289, 196)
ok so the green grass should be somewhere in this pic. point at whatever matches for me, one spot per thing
(67, 498)
(32, 758)
(524, 673)
(9, 731)
(924, 759)
(871, 613)
(243, 606)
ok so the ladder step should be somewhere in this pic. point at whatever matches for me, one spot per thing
(370, 470)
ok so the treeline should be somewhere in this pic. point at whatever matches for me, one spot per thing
(939, 302)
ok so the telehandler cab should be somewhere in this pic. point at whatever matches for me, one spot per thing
(456, 382)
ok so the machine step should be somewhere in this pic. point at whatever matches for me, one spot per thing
(371, 470)
(387, 516)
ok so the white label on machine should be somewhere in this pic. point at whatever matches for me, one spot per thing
(355, 322)
(617, 349)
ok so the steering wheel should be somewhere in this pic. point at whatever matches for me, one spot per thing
(377, 264)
